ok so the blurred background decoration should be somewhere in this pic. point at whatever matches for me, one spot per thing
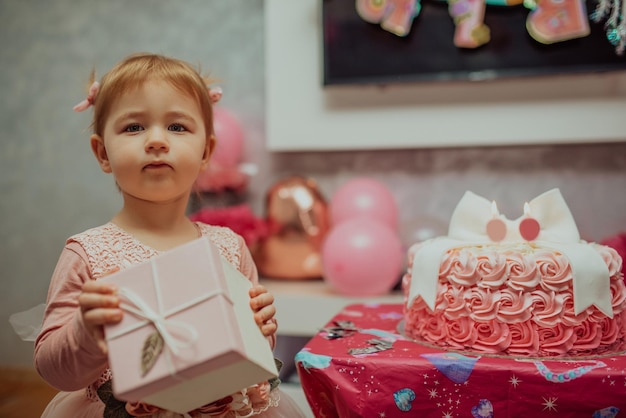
(298, 220)
(363, 254)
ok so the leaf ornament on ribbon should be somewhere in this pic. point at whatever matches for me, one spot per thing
(152, 349)
(547, 223)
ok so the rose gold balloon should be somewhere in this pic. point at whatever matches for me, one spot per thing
(298, 217)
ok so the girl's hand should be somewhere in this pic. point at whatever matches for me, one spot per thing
(262, 304)
(99, 305)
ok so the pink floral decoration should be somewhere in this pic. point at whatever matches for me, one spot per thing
(461, 333)
(523, 274)
(555, 270)
(557, 340)
(492, 269)
(239, 218)
(493, 337)
(618, 242)
(524, 339)
(588, 336)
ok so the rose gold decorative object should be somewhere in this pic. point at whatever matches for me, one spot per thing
(298, 218)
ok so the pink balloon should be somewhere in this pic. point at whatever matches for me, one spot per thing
(362, 257)
(364, 197)
(229, 134)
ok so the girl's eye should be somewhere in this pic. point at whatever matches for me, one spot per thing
(133, 128)
(177, 127)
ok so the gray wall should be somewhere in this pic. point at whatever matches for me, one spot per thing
(51, 187)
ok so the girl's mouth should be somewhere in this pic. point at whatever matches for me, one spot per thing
(156, 165)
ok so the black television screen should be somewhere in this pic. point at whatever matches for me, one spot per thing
(356, 51)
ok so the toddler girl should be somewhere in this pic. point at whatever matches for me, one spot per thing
(153, 130)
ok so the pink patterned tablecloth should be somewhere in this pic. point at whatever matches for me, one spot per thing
(364, 367)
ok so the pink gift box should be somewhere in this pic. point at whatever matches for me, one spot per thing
(199, 305)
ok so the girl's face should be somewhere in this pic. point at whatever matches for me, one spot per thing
(154, 142)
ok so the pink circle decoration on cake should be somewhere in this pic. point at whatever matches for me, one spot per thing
(362, 257)
(496, 230)
(229, 134)
(364, 197)
(529, 229)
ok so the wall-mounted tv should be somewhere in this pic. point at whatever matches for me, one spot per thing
(356, 51)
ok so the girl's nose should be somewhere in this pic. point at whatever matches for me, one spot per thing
(157, 140)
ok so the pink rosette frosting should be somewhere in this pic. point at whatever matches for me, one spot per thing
(618, 294)
(463, 271)
(555, 271)
(412, 317)
(482, 304)
(523, 274)
(453, 303)
(547, 307)
(449, 263)
(618, 301)
(524, 339)
(493, 337)
(611, 257)
(611, 330)
(515, 306)
(569, 318)
(588, 336)
(492, 270)
(431, 328)
(461, 333)
(557, 340)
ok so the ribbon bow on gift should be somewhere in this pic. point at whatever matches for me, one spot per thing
(547, 222)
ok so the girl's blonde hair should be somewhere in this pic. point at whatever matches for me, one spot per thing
(133, 71)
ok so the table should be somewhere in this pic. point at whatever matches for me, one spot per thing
(298, 304)
(299, 318)
(387, 375)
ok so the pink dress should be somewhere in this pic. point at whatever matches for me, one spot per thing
(67, 356)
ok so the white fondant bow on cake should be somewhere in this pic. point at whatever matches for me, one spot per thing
(558, 231)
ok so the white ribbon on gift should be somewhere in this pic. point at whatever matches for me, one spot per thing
(468, 227)
(160, 319)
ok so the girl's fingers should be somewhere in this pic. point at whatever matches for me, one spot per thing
(257, 290)
(99, 305)
(264, 315)
(101, 316)
(269, 328)
(262, 304)
(94, 286)
(98, 295)
(89, 301)
(260, 301)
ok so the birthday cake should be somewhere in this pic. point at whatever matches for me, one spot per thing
(524, 287)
